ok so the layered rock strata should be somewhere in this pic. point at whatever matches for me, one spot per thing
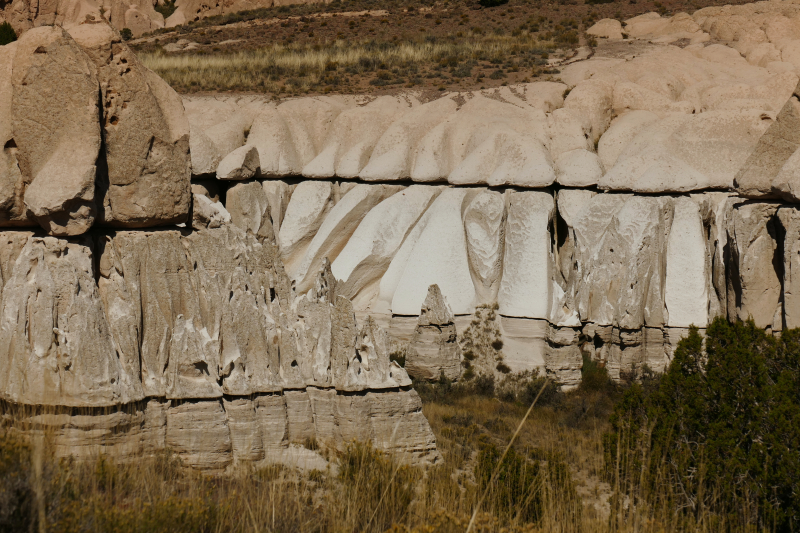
(125, 341)
(617, 276)
(145, 312)
(646, 192)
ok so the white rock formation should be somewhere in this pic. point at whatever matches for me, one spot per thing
(367, 254)
(334, 232)
(484, 223)
(438, 257)
(685, 294)
(305, 212)
(241, 164)
(525, 288)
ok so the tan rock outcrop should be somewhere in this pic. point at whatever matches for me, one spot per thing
(249, 209)
(56, 132)
(434, 348)
(757, 176)
(241, 164)
(607, 28)
(145, 135)
(754, 287)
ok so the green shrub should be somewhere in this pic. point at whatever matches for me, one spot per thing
(7, 34)
(719, 432)
(167, 8)
(126, 34)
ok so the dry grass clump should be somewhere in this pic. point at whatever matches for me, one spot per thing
(295, 68)
(555, 477)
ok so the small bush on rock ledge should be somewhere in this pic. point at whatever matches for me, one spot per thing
(7, 34)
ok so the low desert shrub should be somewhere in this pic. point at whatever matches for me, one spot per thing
(717, 438)
(7, 34)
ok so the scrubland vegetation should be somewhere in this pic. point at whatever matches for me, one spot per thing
(344, 65)
(711, 445)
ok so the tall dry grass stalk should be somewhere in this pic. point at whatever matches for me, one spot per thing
(303, 66)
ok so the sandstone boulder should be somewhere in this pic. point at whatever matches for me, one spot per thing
(56, 132)
(579, 168)
(12, 206)
(607, 28)
(248, 206)
(204, 153)
(206, 213)
(145, 136)
(756, 178)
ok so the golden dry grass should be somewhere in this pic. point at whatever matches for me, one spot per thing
(299, 68)
(363, 490)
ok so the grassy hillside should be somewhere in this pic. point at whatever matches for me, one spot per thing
(366, 46)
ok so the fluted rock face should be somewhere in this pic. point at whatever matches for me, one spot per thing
(197, 341)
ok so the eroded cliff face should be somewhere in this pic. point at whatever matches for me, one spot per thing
(133, 318)
(650, 191)
(228, 281)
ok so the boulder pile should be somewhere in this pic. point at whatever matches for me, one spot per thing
(136, 315)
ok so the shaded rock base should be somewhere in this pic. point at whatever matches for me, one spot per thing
(294, 427)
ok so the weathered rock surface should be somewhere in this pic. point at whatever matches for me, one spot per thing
(305, 213)
(206, 213)
(484, 225)
(145, 135)
(334, 232)
(525, 288)
(434, 349)
(54, 113)
(438, 256)
(607, 28)
(241, 164)
(206, 320)
(248, 206)
(760, 176)
(367, 254)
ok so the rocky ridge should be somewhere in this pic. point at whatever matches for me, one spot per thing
(137, 315)
(650, 190)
